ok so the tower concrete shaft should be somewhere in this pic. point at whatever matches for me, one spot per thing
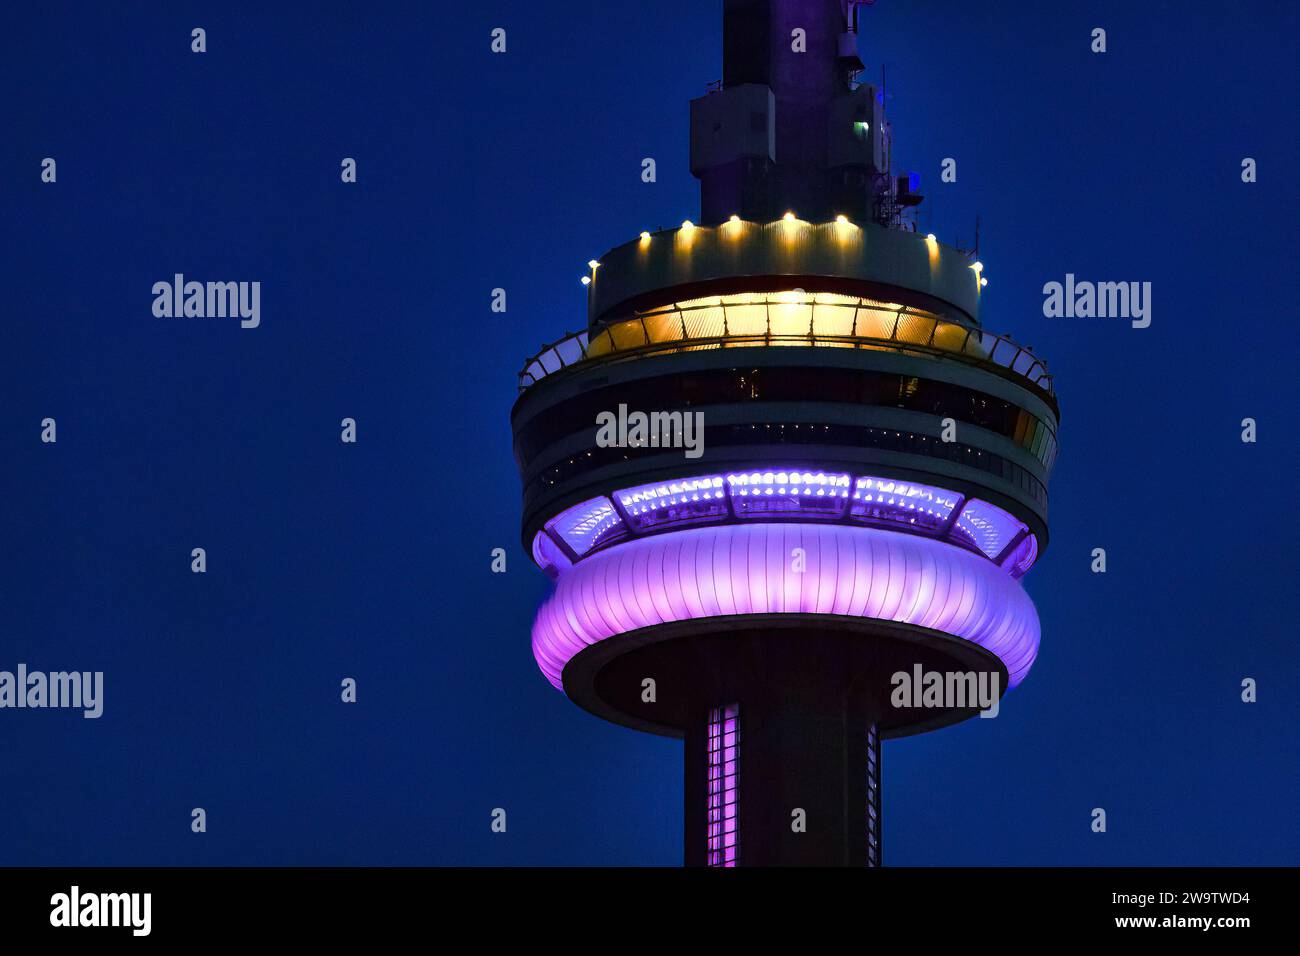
(807, 788)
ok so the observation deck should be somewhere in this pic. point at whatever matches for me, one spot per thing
(790, 318)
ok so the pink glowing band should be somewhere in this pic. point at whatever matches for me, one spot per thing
(731, 569)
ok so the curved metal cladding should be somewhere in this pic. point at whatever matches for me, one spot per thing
(704, 573)
(738, 256)
(866, 410)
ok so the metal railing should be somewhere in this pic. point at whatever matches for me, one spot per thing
(911, 331)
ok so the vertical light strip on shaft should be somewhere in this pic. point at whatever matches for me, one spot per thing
(873, 796)
(723, 747)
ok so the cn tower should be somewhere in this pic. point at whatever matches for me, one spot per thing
(827, 479)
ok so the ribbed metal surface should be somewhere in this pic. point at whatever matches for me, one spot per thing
(749, 569)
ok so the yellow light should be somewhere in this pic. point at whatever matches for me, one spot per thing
(586, 280)
(592, 263)
(978, 267)
(687, 224)
(645, 235)
(787, 314)
(842, 219)
(929, 237)
(788, 217)
(735, 218)
(983, 281)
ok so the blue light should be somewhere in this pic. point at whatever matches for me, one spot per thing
(987, 527)
(901, 502)
(587, 524)
(805, 493)
(672, 502)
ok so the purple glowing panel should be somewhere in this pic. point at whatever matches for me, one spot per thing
(699, 573)
(882, 500)
(723, 751)
(1022, 556)
(669, 503)
(548, 556)
(587, 524)
(767, 494)
(987, 527)
(790, 495)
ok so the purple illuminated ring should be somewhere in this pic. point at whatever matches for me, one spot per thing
(751, 569)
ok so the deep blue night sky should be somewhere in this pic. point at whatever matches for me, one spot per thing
(371, 560)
